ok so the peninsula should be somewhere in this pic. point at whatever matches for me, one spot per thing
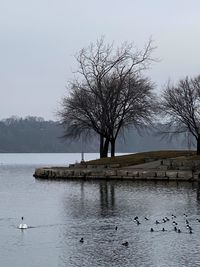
(156, 165)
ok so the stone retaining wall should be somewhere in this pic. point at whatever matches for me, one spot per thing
(181, 164)
(99, 173)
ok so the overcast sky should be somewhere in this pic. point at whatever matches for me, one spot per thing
(39, 39)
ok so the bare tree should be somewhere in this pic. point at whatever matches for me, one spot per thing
(82, 113)
(109, 93)
(129, 102)
(181, 106)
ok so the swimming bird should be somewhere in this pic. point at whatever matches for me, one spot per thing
(138, 222)
(163, 229)
(190, 232)
(23, 225)
(157, 222)
(81, 240)
(185, 215)
(166, 218)
(179, 231)
(175, 228)
(151, 230)
(146, 218)
(125, 244)
(116, 228)
(136, 218)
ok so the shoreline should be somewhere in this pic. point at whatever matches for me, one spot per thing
(160, 165)
(67, 173)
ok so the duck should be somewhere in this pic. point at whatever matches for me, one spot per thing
(81, 240)
(116, 228)
(179, 231)
(125, 244)
(23, 225)
(163, 229)
(151, 230)
(175, 228)
(138, 222)
(146, 218)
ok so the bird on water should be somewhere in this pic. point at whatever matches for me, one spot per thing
(138, 222)
(23, 225)
(125, 244)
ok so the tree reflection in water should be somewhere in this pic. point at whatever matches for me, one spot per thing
(107, 196)
(198, 191)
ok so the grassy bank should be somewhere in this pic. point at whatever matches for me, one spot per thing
(143, 157)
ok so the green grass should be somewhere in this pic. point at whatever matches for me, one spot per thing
(140, 158)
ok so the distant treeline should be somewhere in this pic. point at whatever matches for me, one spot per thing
(34, 134)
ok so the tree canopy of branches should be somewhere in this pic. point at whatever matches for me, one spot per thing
(181, 106)
(110, 94)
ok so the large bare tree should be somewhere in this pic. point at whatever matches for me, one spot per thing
(129, 102)
(181, 106)
(109, 93)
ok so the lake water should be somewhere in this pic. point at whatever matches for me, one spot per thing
(59, 213)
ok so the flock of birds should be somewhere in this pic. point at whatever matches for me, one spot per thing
(174, 224)
(164, 220)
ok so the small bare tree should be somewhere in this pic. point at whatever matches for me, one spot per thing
(181, 106)
(109, 93)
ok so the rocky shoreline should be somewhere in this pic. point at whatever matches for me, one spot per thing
(166, 169)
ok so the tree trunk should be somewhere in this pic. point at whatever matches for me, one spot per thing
(105, 148)
(101, 145)
(198, 145)
(112, 142)
(104, 145)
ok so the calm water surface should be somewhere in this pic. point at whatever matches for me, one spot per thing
(60, 213)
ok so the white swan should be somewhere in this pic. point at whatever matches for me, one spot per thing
(23, 225)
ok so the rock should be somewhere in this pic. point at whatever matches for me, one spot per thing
(185, 175)
(172, 175)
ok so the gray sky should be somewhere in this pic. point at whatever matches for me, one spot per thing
(39, 39)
